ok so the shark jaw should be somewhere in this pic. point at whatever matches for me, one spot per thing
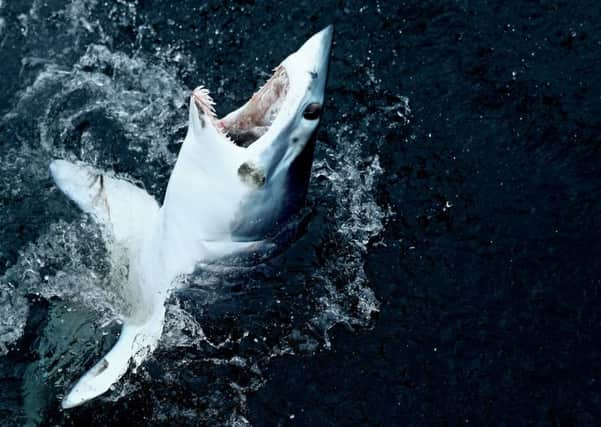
(307, 68)
(250, 122)
(236, 180)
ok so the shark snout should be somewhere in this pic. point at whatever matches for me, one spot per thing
(318, 46)
(315, 53)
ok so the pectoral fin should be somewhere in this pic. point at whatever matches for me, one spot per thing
(115, 203)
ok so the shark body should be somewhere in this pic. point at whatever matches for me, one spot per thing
(236, 180)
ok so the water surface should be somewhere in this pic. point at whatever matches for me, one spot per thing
(446, 270)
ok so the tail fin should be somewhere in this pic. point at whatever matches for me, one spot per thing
(135, 343)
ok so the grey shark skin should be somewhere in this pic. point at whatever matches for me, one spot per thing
(286, 186)
(236, 181)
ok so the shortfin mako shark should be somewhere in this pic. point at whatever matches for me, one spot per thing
(235, 181)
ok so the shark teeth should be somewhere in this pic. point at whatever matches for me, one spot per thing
(204, 101)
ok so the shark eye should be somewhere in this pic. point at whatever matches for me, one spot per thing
(312, 111)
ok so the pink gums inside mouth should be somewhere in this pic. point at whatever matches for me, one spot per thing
(248, 123)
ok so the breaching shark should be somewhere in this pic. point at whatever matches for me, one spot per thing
(235, 181)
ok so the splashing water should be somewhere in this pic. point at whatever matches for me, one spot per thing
(125, 112)
(359, 219)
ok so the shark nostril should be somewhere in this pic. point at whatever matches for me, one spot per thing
(312, 111)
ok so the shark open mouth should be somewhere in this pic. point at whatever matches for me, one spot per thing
(251, 121)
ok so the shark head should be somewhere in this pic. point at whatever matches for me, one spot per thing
(258, 157)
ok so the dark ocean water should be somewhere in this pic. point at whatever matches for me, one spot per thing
(447, 269)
